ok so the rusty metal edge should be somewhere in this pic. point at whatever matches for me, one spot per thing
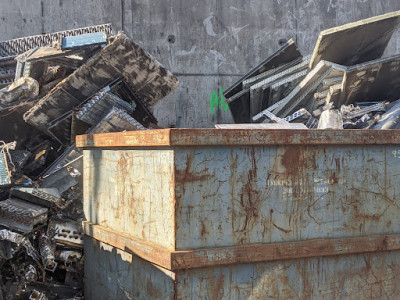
(149, 251)
(237, 137)
(200, 258)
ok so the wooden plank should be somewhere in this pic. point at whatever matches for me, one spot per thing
(237, 137)
(199, 258)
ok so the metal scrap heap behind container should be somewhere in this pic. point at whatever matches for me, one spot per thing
(56, 86)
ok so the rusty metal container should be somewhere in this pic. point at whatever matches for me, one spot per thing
(242, 214)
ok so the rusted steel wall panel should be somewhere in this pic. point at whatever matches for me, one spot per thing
(228, 196)
(115, 274)
(210, 195)
(131, 192)
(368, 276)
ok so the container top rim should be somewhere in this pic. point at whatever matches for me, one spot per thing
(191, 137)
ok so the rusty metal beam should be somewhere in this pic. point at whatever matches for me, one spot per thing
(211, 257)
(231, 137)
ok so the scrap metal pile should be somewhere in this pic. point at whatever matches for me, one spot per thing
(54, 87)
(344, 84)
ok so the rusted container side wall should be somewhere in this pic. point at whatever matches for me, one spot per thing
(368, 276)
(241, 195)
(131, 192)
(115, 274)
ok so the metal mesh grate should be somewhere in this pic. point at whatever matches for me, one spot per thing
(18, 46)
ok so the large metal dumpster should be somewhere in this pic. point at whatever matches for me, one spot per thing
(242, 214)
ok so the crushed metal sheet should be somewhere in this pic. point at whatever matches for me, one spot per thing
(286, 69)
(48, 197)
(37, 295)
(18, 240)
(99, 105)
(274, 118)
(150, 81)
(330, 119)
(67, 159)
(297, 114)
(333, 95)
(305, 89)
(284, 55)
(351, 112)
(264, 93)
(69, 84)
(21, 89)
(255, 95)
(13, 127)
(390, 119)
(376, 80)
(288, 59)
(301, 93)
(40, 63)
(66, 232)
(46, 249)
(63, 179)
(61, 174)
(20, 215)
(282, 88)
(115, 121)
(357, 42)
(60, 129)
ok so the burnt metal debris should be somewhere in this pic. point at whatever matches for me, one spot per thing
(52, 88)
(344, 84)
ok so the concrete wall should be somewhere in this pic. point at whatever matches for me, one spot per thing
(208, 44)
